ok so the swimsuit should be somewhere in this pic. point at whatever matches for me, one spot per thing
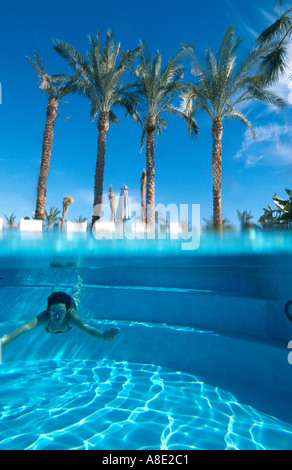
(47, 328)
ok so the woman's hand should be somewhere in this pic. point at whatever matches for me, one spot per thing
(110, 334)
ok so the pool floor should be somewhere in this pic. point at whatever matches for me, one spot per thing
(84, 404)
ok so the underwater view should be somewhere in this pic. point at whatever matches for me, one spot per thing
(81, 404)
(199, 359)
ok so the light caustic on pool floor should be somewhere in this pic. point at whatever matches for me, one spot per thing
(109, 405)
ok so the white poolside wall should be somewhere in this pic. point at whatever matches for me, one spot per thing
(234, 305)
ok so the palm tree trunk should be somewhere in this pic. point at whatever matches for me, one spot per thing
(102, 126)
(217, 133)
(111, 197)
(52, 113)
(150, 172)
(142, 188)
(65, 208)
(67, 201)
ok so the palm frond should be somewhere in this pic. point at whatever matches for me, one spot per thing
(282, 3)
(187, 97)
(130, 102)
(274, 63)
(188, 117)
(56, 86)
(101, 72)
(278, 30)
(128, 57)
(71, 55)
(158, 86)
(277, 38)
(222, 83)
(228, 48)
(236, 114)
(37, 64)
(257, 89)
(143, 135)
(95, 107)
(160, 123)
(113, 117)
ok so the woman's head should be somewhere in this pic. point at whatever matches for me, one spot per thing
(62, 299)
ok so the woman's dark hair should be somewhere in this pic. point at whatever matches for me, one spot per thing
(61, 298)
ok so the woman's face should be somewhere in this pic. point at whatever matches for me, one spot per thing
(57, 312)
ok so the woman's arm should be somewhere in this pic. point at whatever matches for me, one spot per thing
(77, 321)
(40, 319)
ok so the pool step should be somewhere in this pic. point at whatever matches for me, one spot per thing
(251, 317)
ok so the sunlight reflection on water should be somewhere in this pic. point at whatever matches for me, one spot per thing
(120, 405)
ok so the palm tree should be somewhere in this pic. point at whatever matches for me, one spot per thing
(10, 221)
(285, 207)
(219, 89)
(270, 218)
(157, 88)
(101, 74)
(81, 219)
(51, 218)
(210, 226)
(245, 220)
(275, 42)
(56, 87)
(67, 201)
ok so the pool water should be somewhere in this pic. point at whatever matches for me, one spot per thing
(200, 361)
(110, 405)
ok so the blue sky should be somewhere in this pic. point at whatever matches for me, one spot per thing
(252, 171)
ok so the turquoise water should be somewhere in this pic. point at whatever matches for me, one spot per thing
(110, 405)
(178, 376)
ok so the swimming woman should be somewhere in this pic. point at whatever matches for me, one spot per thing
(59, 317)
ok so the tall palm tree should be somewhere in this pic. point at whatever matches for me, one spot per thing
(56, 87)
(100, 80)
(220, 88)
(157, 89)
(275, 41)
